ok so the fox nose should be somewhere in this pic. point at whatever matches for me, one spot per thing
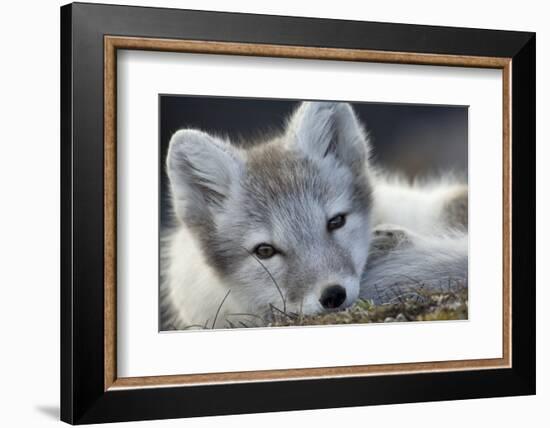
(333, 296)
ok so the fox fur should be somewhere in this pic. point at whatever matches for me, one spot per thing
(283, 193)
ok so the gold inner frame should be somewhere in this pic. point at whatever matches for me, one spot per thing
(113, 43)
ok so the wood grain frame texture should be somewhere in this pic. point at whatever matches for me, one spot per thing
(113, 43)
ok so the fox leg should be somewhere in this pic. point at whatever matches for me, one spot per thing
(386, 238)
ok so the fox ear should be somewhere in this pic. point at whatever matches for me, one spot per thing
(202, 170)
(320, 129)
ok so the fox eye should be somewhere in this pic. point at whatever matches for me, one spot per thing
(264, 251)
(336, 222)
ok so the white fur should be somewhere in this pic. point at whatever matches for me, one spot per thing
(434, 255)
(192, 288)
(415, 206)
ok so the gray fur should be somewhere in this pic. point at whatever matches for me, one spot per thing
(402, 263)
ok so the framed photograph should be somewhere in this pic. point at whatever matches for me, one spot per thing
(266, 213)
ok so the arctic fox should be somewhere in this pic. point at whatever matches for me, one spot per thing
(302, 223)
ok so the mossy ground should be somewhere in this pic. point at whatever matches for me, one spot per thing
(420, 306)
(410, 303)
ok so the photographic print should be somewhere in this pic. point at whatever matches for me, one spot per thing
(297, 213)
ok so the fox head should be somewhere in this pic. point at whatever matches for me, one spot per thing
(285, 222)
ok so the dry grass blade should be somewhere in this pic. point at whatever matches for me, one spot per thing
(219, 308)
(282, 312)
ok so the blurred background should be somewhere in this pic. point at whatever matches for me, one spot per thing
(413, 140)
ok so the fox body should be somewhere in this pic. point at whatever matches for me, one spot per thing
(301, 223)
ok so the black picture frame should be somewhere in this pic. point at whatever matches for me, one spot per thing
(83, 396)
